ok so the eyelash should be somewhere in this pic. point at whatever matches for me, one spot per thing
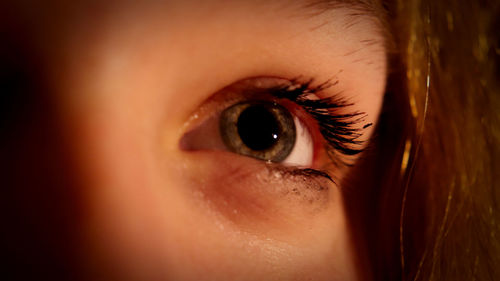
(337, 129)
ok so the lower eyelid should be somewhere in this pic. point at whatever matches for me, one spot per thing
(250, 192)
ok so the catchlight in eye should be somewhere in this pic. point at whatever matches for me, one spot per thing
(260, 129)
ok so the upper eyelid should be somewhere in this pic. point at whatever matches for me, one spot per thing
(257, 87)
(238, 91)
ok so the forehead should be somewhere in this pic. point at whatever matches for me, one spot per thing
(53, 9)
(57, 17)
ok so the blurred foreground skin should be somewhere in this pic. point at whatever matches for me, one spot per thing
(94, 99)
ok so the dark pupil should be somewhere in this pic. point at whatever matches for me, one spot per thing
(258, 128)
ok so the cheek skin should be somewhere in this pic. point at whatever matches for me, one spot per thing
(146, 220)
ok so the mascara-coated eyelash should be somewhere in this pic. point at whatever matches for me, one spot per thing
(338, 130)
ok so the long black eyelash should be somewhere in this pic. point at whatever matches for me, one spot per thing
(337, 129)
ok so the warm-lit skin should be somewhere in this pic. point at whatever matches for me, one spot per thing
(127, 77)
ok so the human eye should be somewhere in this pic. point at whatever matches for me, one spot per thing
(275, 136)
(278, 121)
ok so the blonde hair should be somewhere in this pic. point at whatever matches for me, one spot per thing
(449, 212)
(427, 205)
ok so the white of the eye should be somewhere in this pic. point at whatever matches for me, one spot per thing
(303, 149)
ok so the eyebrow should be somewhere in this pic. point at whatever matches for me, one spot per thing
(368, 9)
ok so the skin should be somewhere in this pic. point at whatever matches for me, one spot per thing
(124, 81)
